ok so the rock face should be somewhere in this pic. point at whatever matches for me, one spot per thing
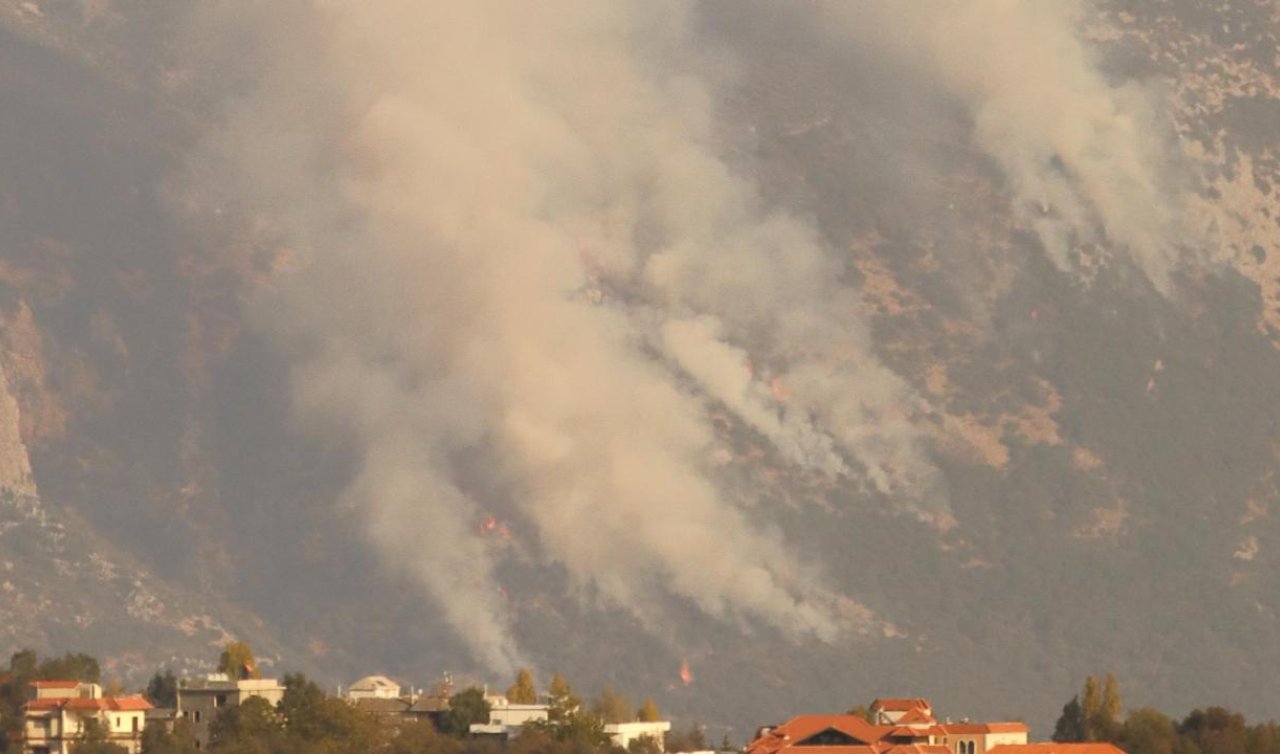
(15, 465)
(1108, 450)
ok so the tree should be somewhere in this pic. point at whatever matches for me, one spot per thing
(522, 691)
(162, 689)
(313, 717)
(467, 707)
(612, 707)
(648, 712)
(95, 741)
(237, 661)
(420, 737)
(71, 667)
(251, 720)
(1148, 731)
(1091, 705)
(695, 739)
(157, 739)
(1104, 723)
(1216, 730)
(563, 702)
(860, 710)
(1070, 727)
(644, 745)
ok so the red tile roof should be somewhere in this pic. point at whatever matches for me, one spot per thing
(1053, 748)
(111, 703)
(129, 703)
(55, 684)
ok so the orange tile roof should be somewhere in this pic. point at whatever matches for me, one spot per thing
(112, 703)
(916, 715)
(55, 684)
(1054, 748)
(129, 703)
(872, 737)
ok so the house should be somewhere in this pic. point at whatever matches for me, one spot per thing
(981, 738)
(201, 699)
(373, 687)
(60, 713)
(901, 712)
(897, 726)
(847, 734)
(507, 718)
(623, 734)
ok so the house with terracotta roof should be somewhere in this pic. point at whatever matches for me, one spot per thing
(846, 734)
(60, 713)
(982, 738)
(895, 726)
(901, 712)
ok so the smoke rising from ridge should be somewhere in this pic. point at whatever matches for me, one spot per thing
(520, 255)
(1087, 160)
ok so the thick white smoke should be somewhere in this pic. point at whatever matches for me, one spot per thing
(521, 256)
(1088, 160)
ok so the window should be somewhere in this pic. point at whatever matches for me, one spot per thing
(135, 723)
(219, 700)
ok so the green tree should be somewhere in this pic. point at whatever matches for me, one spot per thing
(860, 710)
(523, 691)
(466, 708)
(314, 719)
(94, 741)
(162, 689)
(648, 712)
(251, 721)
(612, 707)
(237, 661)
(1216, 730)
(76, 666)
(420, 737)
(157, 739)
(1070, 727)
(1148, 731)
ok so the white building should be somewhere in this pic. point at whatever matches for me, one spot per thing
(623, 734)
(373, 687)
(60, 713)
(506, 718)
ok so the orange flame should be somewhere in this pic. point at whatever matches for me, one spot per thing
(686, 675)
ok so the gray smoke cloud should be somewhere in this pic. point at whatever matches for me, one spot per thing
(1088, 160)
(515, 253)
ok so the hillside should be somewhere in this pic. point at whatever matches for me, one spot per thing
(981, 449)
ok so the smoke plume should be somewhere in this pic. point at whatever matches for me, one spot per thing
(517, 254)
(1088, 160)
